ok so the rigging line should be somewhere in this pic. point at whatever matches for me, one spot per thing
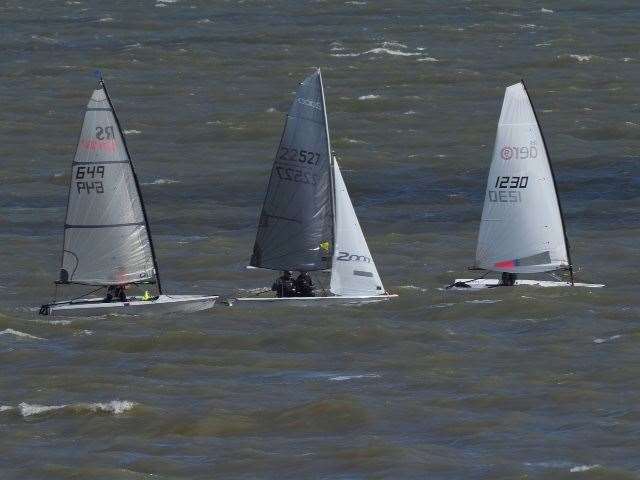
(76, 298)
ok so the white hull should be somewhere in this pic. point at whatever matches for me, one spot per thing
(308, 301)
(91, 307)
(483, 283)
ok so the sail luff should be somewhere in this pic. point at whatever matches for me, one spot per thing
(137, 184)
(553, 176)
(331, 160)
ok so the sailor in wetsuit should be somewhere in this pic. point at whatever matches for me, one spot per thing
(117, 292)
(284, 286)
(508, 279)
(304, 285)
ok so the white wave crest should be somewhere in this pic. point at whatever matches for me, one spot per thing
(546, 10)
(344, 378)
(162, 181)
(19, 334)
(131, 132)
(583, 468)
(608, 339)
(368, 97)
(115, 407)
(5, 408)
(428, 59)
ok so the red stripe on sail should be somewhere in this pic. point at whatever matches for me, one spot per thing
(506, 264)
(106, 145)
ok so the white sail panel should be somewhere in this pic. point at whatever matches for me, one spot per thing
(353, 270)
(521, 229)
(106, 241)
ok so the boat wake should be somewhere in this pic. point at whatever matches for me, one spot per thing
(19, 334)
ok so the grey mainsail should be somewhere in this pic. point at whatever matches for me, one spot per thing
(295, 230)
(106, 237)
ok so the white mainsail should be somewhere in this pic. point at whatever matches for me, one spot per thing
(521, 229)
(105, 238)
(353, 270)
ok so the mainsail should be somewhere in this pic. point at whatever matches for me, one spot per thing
(295, 230)
(354, 271)
(106, 237)
(522, 229)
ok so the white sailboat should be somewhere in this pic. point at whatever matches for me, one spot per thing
(107, 241)
(522, 228)
(307, 221)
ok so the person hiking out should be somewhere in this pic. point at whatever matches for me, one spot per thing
(116, 292)
(304, 285)
(508, 279)
(284, 286)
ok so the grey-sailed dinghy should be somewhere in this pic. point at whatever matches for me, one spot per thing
(107, 241)
(307, 221)
(522, 229)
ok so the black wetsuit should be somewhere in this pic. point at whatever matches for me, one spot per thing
(284, 286)
(508, 279)
(304, 285)
(117, 292)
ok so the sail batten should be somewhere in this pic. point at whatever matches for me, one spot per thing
(522, 229)
(295, 229)
(106, 238)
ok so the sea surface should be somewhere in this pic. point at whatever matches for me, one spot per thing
(523, 383)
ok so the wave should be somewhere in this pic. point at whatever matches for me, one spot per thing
(131, 132)
(344, 378)
(583, 468)
(162, 181)
(19, 334)
(368, 97)
(608, 339)
(114, 407)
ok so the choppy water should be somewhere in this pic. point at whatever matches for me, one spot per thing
(508, 384)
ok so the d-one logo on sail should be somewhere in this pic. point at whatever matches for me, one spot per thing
(519, 153)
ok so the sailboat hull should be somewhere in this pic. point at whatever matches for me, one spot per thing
(163, 304)
(309, 301)
(483, 283)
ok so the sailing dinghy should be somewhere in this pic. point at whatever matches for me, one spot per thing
(307, 221)
(522, 229)
(107, 241)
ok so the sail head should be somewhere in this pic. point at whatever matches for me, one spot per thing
(295, 230)
(106, 240)
(521, 230)
(353, 271)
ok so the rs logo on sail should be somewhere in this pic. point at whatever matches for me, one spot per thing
(348, 257)
(519, 153)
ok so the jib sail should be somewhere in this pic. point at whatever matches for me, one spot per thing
(354, 271)
(295, 230)
(521, 229)
(106, 240)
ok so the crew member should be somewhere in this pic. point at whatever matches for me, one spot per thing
(117, 292)
(508, 279)
(304, 285)
(284, 286)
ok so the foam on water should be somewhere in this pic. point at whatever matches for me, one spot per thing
(132, 132)
(368, 97)
(19, 334)
(608, 339)
(162, 181)
(114, 407)
(344, 378)
(583, 468)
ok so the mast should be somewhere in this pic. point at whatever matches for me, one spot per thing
(555, 185)
(137, 183)
(333, 180)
